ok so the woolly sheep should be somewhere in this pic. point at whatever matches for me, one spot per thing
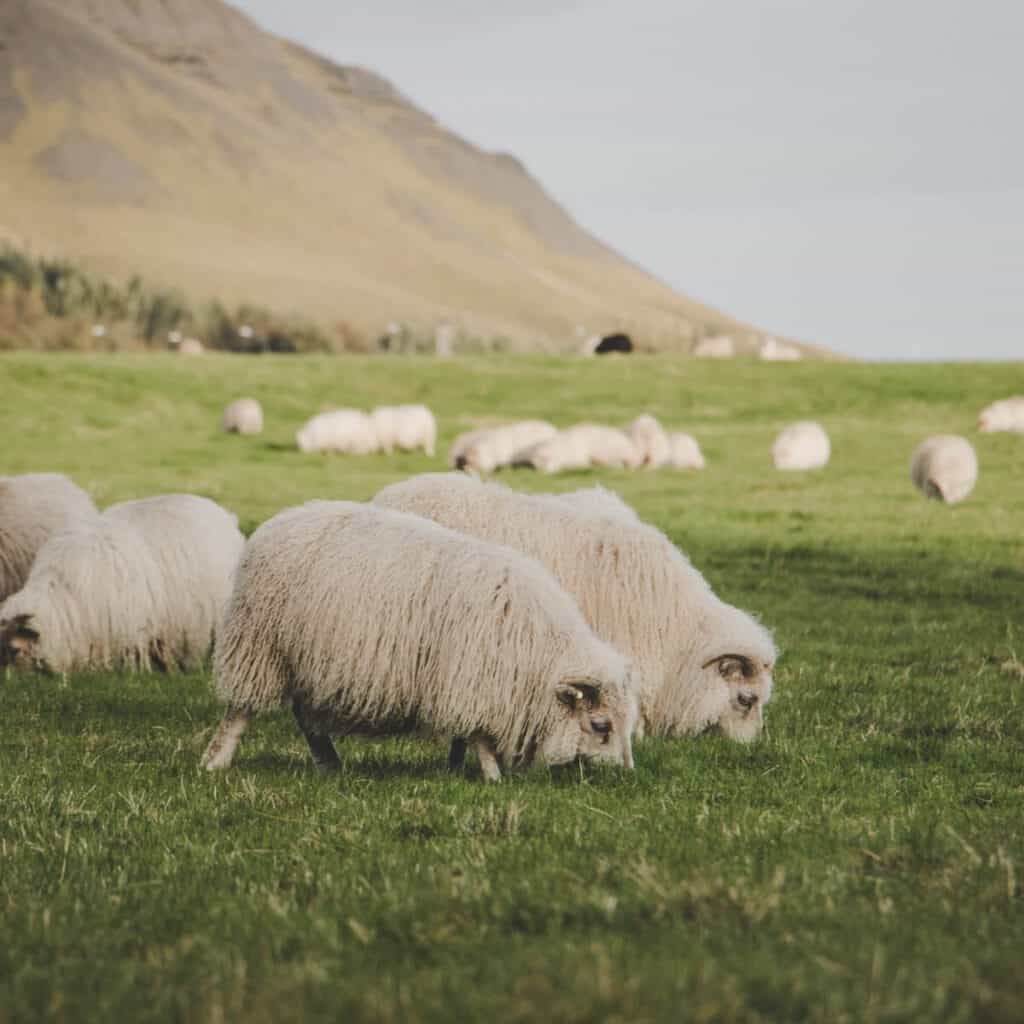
(1004, 415)
(406, 427)
(32, 508)
(580, 447)
(493, 448)
(190, 347)
(774, 351)
(650, 441)
(684, 452)
(697, 661)
(803, 445)
(243, 416)
(141, 585)
(368, 620)
(598, 501)
(944, 466)
(343, 430)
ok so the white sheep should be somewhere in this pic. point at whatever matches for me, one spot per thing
(720, 346)
(697, 661)
(684, 452)
(406, 427)
(343, 430)
(803, 445)
(33, 507)
(141, 585)
(774, 351)
(363, 619)
(598, 501)
(651, 441)
(580, 447)
(1004, 415)
(492, 448)
(944, 466)
(243, 416)
(190, 347)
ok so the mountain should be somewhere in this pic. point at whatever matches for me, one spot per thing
(177, 140)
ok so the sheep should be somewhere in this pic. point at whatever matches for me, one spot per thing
(141, 586)
(32, 508)
(1004, 415)
(406, 427)
(684, 452)
(243, 416)
(944, 466)
(697, 661)
(580, 447)
(773, 351)
(190, 347)
(364, 619)
(598, 501)
(650, 441)
(343, 430)
(490, 449)
(803, 445)
(719, 347)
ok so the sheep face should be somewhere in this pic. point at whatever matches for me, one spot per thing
(476, 456)
(19, 644)
(591, 723)
(739, 686)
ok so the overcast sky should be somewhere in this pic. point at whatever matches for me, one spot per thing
(846, 172)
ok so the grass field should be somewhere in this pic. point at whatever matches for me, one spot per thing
(864, 862)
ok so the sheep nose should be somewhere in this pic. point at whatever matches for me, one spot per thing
(746, 699)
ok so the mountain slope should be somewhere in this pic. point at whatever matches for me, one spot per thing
(176, 139)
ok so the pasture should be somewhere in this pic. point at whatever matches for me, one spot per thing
(863, 862)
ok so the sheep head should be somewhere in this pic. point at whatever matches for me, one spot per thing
(19, 643)
(746, 682)
(592, 721)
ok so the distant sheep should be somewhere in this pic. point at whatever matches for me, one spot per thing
(580, 447)
(650, 441)
(405, 427)
(697, 661)
(348, 431)
(598, 501)
(773, 351)
(803, 445)
(684, 452)
(243, 416)
(367, 620)
(1005, 415)
(33, 507)
(492, 448)
(945, 467)
(621, 343)
(719, 347)
(190, 347)
(140, 586)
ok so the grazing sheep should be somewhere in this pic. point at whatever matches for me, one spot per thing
(33, 507)
(803, 445)
(719, 347)
(141, 585)
(190, 347)
(491, 449)
(684, 452)
(944, 466)
(1004, 415)
(773, 351)
(618, 342)
(243, 416)
(363, 619)
(343, 430)
(697, 661)
(580, 447)
(406, 427)
(650, 441)
(598, 501)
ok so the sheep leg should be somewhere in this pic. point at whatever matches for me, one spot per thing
(320, 746)
(488, 759)
(457, 754)
(222, 747)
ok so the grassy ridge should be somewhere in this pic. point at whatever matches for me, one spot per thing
(864, 862)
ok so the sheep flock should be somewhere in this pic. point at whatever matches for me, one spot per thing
(532, 628)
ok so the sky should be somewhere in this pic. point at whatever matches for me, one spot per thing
(848, 173)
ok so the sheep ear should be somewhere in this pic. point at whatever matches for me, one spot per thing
(578, 693)
(17, 635)
(733, 667)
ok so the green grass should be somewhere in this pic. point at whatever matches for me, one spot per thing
(864, 862)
